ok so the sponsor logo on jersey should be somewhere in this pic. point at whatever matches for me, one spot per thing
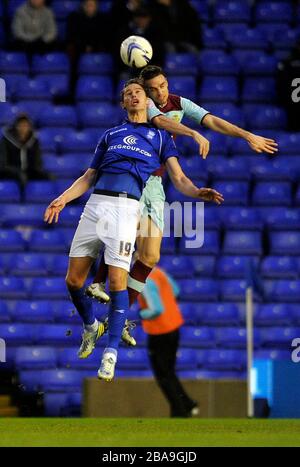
(150, 134)
(131, 140)
(117, 131)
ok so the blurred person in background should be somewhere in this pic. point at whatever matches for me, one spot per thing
(20, 152)
(121, 12)
(181, 23)
(161, 321)
(34, 28)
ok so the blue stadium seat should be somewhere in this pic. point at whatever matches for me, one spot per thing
(233, 290)
(9, 191)
(94, 88)
(199, 290)
(193, 312)
(233, 267)
(221, 168)
(209, 218)
(181, 64)
(274, 11)
(203, 265)
(17, 334)
(235, 193)
(68, 235)
(4, 313)
(232, 11)
(269, 314)
(70, 216)
(218, 89)
(186, 359)
(195, 168)
(280, 35)
(227, 111)
(34, 358)
(81, 141)
(297, 197)
(213, 38)
(96, 64)
(11, 240)
(271, 354)
(58, 265)
(133, 359)
(68, 358)
(241, 218)
(282, 290)
(64, 312)
(57, 84)
(12, 83)
(8, 113)
(55, 62)
(281, 218)
(70, 165)
(30, 89)
(40, 191)
(213, 62)
(168, 245)
(275, 169)
(279, 267)
(196, 244)
(218, 142)
(47, 241)
(285, 243)
(235, 338)
(34, 108)
(98, 114)
(242, 37)
(12, 215)
(279, 337)
(29, 380)
(60, 115)
(28, 264)
(289, 142)
(183, 86)
(63, 380)
(263, 117)
(59, 334)
(238, 147)
(192, 336)
(62, 404)
(27, 311)
(50, 288)
(202, 9)
(272, 194)
(242, 243)
(12, 287)
(13, 62)
(210, 374)
(62, 8)
(255, 63)
(221, 314)
(177, 266)
(217, 359)
(259, 90)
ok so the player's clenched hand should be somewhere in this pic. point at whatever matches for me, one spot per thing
(203, 144)
(53, 210)
(261, 144)
(209, 194)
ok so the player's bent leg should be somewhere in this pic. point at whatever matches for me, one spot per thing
(97, 288)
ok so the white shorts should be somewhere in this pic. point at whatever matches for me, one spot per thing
(107, 222)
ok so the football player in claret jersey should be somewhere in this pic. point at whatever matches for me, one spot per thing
(124, 159)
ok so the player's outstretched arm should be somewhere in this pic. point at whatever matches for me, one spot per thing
(183, 184)
(79, 187)
(257, 143)
(176, 128)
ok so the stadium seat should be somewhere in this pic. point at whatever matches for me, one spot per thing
(68, 358)
(242, 243)
(12, 215)
(81, 141)
(27, 311)
(183, 86)
(271, 354)
(180, 64)
(256, 63)
(9, 191)
(40, 191)
(198, 290)
(203, 265)
(221, 314)
(34, 358)
(275, 169)
(272, 194)
(193, 312)
(213, 62)
(94, 88)
(62, 404)
(60, 115)
(269, 314)
(168, 245)
(48, 288)
(282, 290)
(96, 64)
(224, 360)
(32, 89)
(48, 138)
(70, 216)
(259, 90)
(233, 290)
(197, 244)
(177, 266)
(12, 287)
(235, 193)
(13, 62)
(202, 9)
(262, 117)
(4, 313)
(135, 359)
(213, 38)
(289, 142)
(64, 312)
(279, 267)
(17, 334)
(8, 113)
(11, 240)
(278, 337)
(241, 218)
(55, 62)
(70, 165)
(209, 217)
(281, 218)
(98, 115)
(194, 337)
(231, 12)
(195, 168)
(58, 265)
(47, 241)
(59, 335)
(186, 359)
(235, 338)
(274, 11)
(221, 168)
(57, 84)
(218, 90)
(63, 380)
(242, 37)
(285, 243)
(28, 264)
(233, 267)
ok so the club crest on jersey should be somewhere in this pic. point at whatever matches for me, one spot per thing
(130, 140)
(150, 134)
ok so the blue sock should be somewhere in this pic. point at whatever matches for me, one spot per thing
(116, 318)
(83, 305)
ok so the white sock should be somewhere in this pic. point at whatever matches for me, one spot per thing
(91, 327)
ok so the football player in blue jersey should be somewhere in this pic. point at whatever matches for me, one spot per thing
(124, 160)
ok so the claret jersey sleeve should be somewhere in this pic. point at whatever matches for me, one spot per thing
(168, 147)
(99, 152)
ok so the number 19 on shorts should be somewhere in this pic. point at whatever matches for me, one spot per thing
(125, 248)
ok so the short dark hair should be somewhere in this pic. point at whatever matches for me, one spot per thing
(128, 83)
(151, 71)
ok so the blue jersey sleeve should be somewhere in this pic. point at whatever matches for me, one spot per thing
(192, 110)
(168, 147)
(99, 152)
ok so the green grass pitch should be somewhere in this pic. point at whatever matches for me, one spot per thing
(127, 432)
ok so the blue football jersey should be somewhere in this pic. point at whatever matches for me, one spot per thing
(128, 154)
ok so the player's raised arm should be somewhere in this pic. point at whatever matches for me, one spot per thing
(79, 187)
(183, 184)
(256, 142)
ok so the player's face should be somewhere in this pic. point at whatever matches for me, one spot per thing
(134, 98)
(158, 89)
